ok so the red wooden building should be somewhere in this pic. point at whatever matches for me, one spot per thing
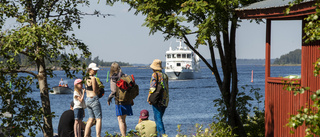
(279, 103)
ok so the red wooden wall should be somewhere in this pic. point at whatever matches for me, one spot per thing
(279, 103)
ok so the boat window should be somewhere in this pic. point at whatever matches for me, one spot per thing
(184, 55)
(178, 64)
(178, 55)
(168, 56)
(174, 56)
(188, 55)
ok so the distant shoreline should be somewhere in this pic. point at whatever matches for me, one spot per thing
(60, 69)
(285, 64)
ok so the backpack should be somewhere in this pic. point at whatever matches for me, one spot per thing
(156, 97)
(101, 90)
(127, 89)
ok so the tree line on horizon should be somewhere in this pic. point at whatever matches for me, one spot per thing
(25, 61)
(293, 57)
(101, 62)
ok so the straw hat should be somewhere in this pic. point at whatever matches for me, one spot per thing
(156, 64)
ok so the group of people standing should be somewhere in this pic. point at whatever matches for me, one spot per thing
(123, 109)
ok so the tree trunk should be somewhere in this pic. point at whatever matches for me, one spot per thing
(45, 100)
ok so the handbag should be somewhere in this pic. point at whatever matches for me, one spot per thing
(156, 97)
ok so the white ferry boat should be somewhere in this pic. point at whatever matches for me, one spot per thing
(182, 63)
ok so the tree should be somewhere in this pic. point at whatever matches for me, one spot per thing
(43, 31)
(214, 24)
(293, 57)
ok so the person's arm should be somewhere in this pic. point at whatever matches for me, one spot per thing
(152, 86)
(80, 98)
(113, 87)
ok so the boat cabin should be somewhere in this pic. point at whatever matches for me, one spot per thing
(182, 63)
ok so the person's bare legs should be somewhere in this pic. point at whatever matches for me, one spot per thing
(122, 124)
(75, 128)
(87, 131)
(79, 128)
(98, 127)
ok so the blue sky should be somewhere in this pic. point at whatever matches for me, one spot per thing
(123, 38)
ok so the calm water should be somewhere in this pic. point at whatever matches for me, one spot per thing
(191, 101)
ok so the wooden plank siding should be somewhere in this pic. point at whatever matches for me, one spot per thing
(280, 103)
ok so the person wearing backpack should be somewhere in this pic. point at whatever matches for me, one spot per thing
(158, 94)
(92, 100)
(123, 108)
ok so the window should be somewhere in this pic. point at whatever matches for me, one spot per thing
(178, 64)
(178, 55)
(174, 56)
(168, 56)
(184, 55)
(188, 56)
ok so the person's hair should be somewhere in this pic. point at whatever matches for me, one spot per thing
(88, 71)
(77, 89)
(115, 68)
(72, 104)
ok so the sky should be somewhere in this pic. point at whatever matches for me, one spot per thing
(123, 38)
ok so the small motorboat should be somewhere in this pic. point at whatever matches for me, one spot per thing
(61, 90)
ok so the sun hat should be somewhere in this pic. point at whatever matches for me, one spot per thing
(144, 114)
(156, 64)
(93, 66)
(77, 81)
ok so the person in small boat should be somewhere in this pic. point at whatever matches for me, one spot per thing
(61, 83)
(79, 105)
(146, 127)
(92, 101)
(123, 109)
(159, 107)
(66, 123)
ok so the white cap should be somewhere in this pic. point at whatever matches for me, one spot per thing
(93, 66)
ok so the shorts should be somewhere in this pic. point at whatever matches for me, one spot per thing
(123, 110)
(78, 113)
(94, 107)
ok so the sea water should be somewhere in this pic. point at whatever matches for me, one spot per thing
(191, 101)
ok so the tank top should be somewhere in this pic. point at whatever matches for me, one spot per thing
(89, 84)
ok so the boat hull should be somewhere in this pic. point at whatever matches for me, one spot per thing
(62, 90)
(180, 75)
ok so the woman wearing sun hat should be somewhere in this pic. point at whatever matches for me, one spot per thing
(123, 109)
(159, 109)
(92, 100)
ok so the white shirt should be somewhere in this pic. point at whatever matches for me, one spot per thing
(77, 103)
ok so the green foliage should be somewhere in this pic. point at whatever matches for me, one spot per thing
(254, 125)
(311, 28)
(308, 115)
(41, 35)
(216, 129)
(26, 112)
(293, 57)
